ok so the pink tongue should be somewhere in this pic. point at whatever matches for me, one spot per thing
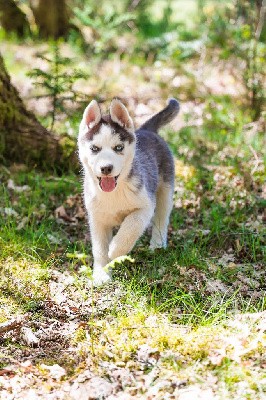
(107, 184)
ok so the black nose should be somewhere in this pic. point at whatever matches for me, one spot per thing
(107, 169)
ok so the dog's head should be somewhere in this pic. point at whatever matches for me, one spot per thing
(107, 143)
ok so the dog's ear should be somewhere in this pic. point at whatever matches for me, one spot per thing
(120, 115)
(92, 114)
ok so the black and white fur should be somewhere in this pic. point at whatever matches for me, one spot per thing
(128, 180)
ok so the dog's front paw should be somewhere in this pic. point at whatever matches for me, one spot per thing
(157, 245)
(158, 241)
(100, 277)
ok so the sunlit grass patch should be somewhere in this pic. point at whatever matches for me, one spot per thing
(185, 172)
(125, 335)
(8, 307)
(227, 353)
(24, 282)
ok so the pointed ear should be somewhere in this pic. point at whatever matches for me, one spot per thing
(120, 115)
(92, 114)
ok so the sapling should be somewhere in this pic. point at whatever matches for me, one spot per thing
(57, 82)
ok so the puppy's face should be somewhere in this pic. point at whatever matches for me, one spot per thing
(107, 144)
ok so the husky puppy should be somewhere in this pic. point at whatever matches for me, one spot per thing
(128, 180)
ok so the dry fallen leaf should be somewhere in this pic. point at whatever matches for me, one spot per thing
(22, 223)
(53, 239)
(18, 189)
(8, 212)
(8, 372)
(61, 213)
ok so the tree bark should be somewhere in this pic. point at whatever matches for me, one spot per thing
(51, 17)
(12, 18)
(23, 139)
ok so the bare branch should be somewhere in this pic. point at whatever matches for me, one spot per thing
(12, 324)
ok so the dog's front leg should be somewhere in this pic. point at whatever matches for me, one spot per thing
(101, 236)
(130, 230)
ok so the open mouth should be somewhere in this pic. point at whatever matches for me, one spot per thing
(108, 183)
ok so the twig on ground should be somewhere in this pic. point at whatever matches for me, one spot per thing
(12, 324)
(254, 169)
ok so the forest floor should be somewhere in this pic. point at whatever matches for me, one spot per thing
(184, 323)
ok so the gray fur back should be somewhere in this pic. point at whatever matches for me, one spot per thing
(163, 117)
(153, 161)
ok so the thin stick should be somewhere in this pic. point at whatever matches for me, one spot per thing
(254, 169)
(12, 324)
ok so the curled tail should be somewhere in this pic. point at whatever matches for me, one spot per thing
(163, 117)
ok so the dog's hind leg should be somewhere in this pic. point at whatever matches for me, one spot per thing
(160, 221)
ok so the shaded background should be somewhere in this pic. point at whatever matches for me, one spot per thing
(60, 55)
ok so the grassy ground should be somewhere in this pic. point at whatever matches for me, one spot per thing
(188, 321)
(183, 323)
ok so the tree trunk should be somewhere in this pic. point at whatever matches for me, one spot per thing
(23, 139)
(51, 17)
(12, 18)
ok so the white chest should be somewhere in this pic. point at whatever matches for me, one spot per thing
(114, 206)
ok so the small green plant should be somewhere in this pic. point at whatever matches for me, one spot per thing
(80, 335)
(106, 25)
(57, 82)
(238, 30)
(33, 306)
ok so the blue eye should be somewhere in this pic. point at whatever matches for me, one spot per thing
(95, 149)
(119, 148)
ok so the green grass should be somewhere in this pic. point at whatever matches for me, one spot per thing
(213, 205)
(195, 303)
(186, 301)
(198, 306)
